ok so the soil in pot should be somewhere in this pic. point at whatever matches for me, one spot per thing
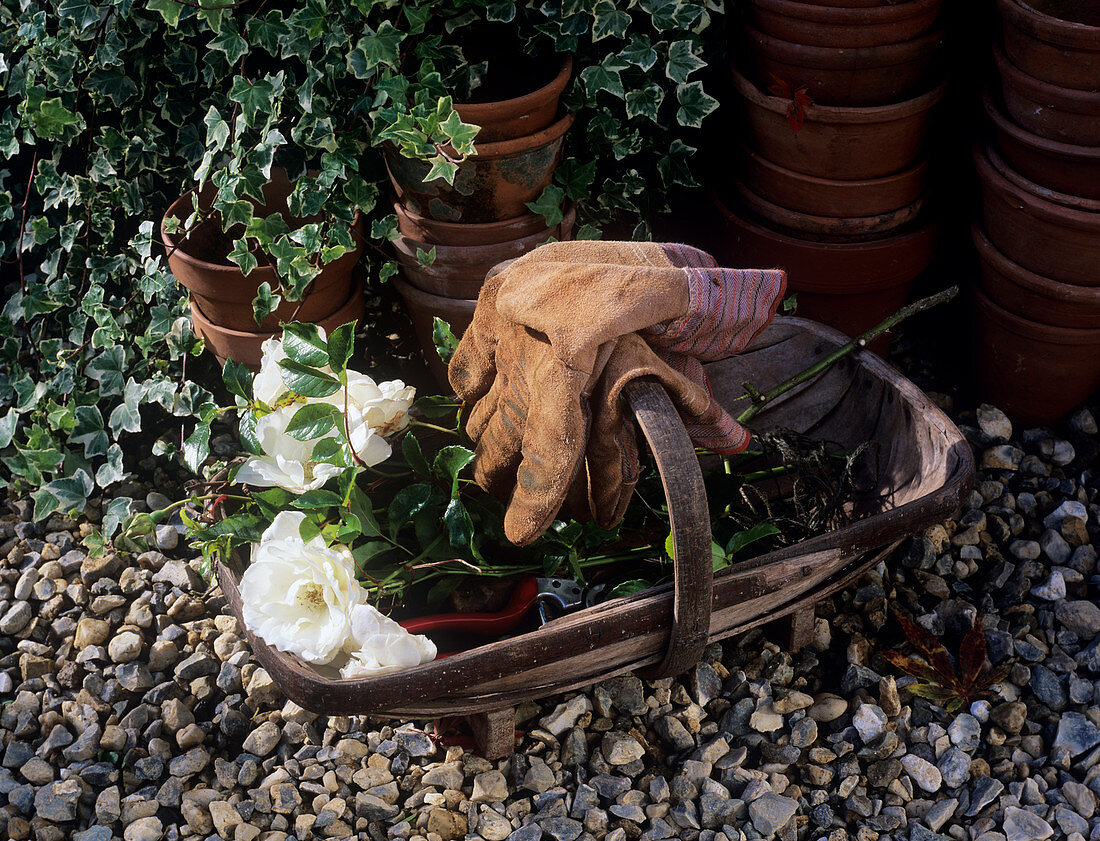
(1048, 110)
(246, 346)
(225, 294)
(518, 99)
(1041, 235)
(1035, 372)
(492, 185)
(1033, 296)
(1064, 167)
(1054, 40)
(423, 308)
(849, 286)
(838, 142)
(833, 26)
(861, 76)
(830, 196)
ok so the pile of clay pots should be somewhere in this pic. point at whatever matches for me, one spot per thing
(451, 235)
(837, 99)
(1038, 303)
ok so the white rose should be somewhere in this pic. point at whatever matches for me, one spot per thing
(378, 645)
(268, 385)
(287, 462)
(299, 597)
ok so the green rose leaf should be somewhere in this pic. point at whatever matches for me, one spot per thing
(341, 344)
(318, 499)
(460, 528)
(450, 462)
(237, 378)
(407, 504)
(445, 341)
(197, 447)
(313, 420)
(307, 381)
(410, 448)
(304, 343)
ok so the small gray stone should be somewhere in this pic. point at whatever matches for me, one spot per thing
(1076, 733)
(704, 683)
(965, 732)
(766, 720)
(1069, 508)
(771, 812)
(566, 714)
(1010, 717)
(1002, 457)
(1055, 547)
(985, 791)
(167, 538)
(1080, 616)
(1025, 550)
(263, 740)
(922, 772)
(490, 787)
(828, 708)
(938, 814)
(144, 829)
(57, 801)
(804, 733)
(673, 733)
(621, 749)
(1022, 825)
(870, 722)
(1053, 589)
(954, 767)
(192, 762)
(416, 742)
(994, 423)
(16, 619)
(1047, 687)
(561, 829)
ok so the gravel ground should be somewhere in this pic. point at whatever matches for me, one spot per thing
(132, 707)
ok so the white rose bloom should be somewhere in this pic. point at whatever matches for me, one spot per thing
(268, 385)
(286, 461)
(378, 645)
(299, 597)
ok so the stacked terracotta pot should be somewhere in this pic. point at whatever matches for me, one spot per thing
(1038, 305)
(838, 97)
(482, 219)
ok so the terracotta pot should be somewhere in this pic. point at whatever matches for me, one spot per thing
(423, 307)
(811, 226)
(511, 118)
(845, 4)
(1041, 235)
(849, 286)
(839, 142)
(838, 26)
(415, 226)
(1035, 372)
(459, 271)
(225, 293)
(1048, 110)
(1057, 41)
(492, 185)
(832, 197)
(1064, 199)
(1033, 296)
(246, 346)
(1064, 167)
(848, 76)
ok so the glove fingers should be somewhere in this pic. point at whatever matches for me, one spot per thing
(501, 437)
(472, 367)
(613, 470)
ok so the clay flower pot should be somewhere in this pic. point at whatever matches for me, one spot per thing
(1036, 372)
(459, 271)
(1033, 296)
(225, 293)
(1048, 110)
(1041, 235)
(246, 346)
(848, 229)
(839, 26)
(1057, 41)
(508, 119)
(838, 142)
(849, 286)
(830, 196)
(423, 308)
(848, 76)
(1065, 167)
(492, 185)
(415, 226)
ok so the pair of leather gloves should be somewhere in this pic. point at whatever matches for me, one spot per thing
(556, 336)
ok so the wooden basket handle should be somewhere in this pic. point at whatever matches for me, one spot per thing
(693, 569)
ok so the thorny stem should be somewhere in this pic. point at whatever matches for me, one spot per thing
(760, 400)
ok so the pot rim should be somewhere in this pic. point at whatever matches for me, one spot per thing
(406, 246)
(1049, 28)
(503, 224)
(1063, 199)
(848, 15)
(1035, 206)
(839, 114)
(519, 104)
(1043, 93)
(425, 299)
(844, 58)
(1055, 148)
(173, 249)
(880, 223)
(1048, 287)
(521, 145)
(1035, 330)
(197, 313)
(838, 183)
(927, 229)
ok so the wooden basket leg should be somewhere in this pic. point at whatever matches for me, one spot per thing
(494, 732)
(799, 627)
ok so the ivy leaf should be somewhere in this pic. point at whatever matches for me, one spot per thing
(114, 84)
(639, 52)
(604, 77)
(112, 471)
(52, 117)
(549, 205)
(169, 10)
(695, 104)
(109, 370)
(682, 62)
(83, 13)
(265, 302)
(303, 343)
(444, 339)
(118, 509)
(69, 494)
(7, 427)
(313, 421)
(197, 447)
(376, 47)
(460, 135)
(644, 101)
(608, 20)
(442, 168)
(244, 258)
(306, 381)
(425, 258)
(230, 42)
(217, 129)
(254, 98)
(385, 228)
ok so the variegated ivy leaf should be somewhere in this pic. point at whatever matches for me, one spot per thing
(695, 104)
(682, 61)
(644, 101)
(605, 77)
